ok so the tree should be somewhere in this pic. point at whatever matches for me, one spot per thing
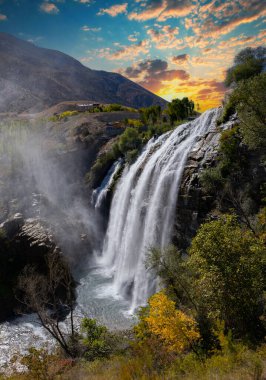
(247, 63)
(49, 296)
(229, 263)
(180, 109)
(174, 274)
(150, 115)
(250, 102)
(175, 329)
(258, 53)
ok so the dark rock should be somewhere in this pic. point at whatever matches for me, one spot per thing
(24, 243)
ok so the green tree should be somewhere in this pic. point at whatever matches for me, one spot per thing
(250, 100)
(180, 109)
(247, 63)
(230, 264)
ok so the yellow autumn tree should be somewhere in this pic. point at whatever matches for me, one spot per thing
(175, 329)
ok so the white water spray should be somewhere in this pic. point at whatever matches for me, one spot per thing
(144, 207)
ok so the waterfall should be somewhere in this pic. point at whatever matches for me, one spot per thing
(99, 194)
(144, 207)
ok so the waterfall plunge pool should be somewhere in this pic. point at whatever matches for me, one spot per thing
(94, 300)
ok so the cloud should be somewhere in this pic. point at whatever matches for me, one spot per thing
(180, 59)
(114, 10)
(152, 9)
(125, 52)
(85, 1)
(49, 8)
(3, 17)
(165, 37)
(161, 9)
(152, 74)
(133, 37)
(86, 28)
(219, 18)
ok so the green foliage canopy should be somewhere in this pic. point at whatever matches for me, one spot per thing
(247, 63)
(250, 100)
(229, 264)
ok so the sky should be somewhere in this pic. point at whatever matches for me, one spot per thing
(174, 48)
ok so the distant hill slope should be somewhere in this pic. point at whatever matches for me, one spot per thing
(34, 78)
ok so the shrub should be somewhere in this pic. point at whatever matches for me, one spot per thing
(63, 115)
(175, 329)
(96, 340)
(129, 140)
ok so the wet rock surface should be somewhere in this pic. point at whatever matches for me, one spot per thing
(193, 204)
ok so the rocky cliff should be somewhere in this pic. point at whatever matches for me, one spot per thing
(22, 242)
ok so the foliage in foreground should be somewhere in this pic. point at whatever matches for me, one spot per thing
(176, 331)
(223, 278)
(148, 360)
(208, 323)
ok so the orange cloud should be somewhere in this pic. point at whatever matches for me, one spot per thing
(165, 37)
(219, 18)
(125, 52)
(49, 8)
(114, 10)
(180, 59)
(153, 74)
(3, 17)
(162, 9)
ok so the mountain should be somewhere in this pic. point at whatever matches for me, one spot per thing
(34, 78)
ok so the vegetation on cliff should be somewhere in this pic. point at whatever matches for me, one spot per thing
(153, 122)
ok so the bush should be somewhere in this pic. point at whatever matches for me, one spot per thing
(211, 179)
(117, 107)
(63, 115)
(42, 365)
(97, 340)
(129, 140)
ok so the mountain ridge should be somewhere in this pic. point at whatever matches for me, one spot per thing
(34, 78)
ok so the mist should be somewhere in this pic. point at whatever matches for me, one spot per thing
(42, 180)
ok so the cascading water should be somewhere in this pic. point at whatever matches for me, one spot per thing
(99, 194)
(144, 206)
(141, 216)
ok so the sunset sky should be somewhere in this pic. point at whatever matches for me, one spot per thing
(174, 48)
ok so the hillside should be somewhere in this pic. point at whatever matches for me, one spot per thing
(34, 78)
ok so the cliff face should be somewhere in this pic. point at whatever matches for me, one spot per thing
(195, 204)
